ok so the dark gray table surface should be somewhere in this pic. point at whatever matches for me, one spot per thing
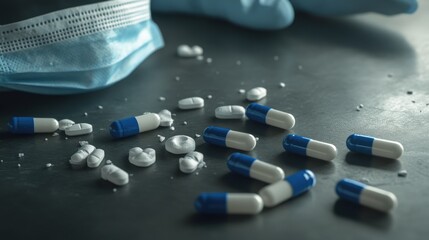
(367, 59)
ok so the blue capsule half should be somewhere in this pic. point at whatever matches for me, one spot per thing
(266, 115)
(228, 203)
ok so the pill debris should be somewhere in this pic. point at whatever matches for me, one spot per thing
(48, 165)
(209, 96)
(79, 129)
(46, 139)
(165, 118)
(230, 112)
(191, 162)
(360, 105)
(180, 144)
(55, 134)
(161, 98)
(402, 173)
(358, 108)
(140, 157)
(161, 138)
(1, 161)
(65, 123)
(300, 67)
(197, 135)
(185, 123)
(114, 175)
(81, 143)
(200, 58)
(19, 165)
(20, 155)
(114, 190)
(85, 114)
(209, 60)
(242, 91)
(191, 103)
(256, 94)
(364, 180)
(282, 84)
(100, 107)
(172, 128)
(108, 162)
(177, 78)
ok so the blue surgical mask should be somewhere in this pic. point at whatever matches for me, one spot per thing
(78, 49)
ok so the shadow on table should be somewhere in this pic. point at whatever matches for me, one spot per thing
(373, 162)
(363, 215)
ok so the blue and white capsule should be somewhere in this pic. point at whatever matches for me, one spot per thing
(266, 115)
(229, 138)
(229, 203)
(308, 147)
(365, 195)
(134, 125)
(291, 186)
(374, 146)
(29, 125)
(251, 167)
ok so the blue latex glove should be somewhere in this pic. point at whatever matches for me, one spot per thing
(277, 14)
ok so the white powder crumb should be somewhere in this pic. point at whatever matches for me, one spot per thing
(217, 72)
(197, 135)
(172, 128)
(171, 177)
(209, 96)
(126, 99)
(402, 173)
(131, 174)
(1, 161)
(185, 123)
(48, 165)
(358, 108)
(256, 138)
(66, 138)
(360, 105)
(108, 162)
(55, 134)
(200, 58)
(197, 173)
(364, 180)
(46, 139)
(282, 84)
(300, 67)
(173, 114)
(20, 155)
(100, 107)
(81, 143)
(102, 129)
(161, 98)
(85, 114)
(238, 62)
(114, 190)
(161, 138)
(209, 60)
(276, 58)
(177, 78)
(19, 165)
(242, 91)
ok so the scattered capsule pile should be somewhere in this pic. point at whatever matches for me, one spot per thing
(279, 187)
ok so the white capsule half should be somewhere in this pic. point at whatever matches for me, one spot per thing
(114, 175)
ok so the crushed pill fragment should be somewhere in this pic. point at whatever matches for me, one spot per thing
(85, 114)
(100, 107)
(55, 134)
(165, 118)
(161, 138)
(209, 96)
(282, 84)
(161, 98)
(402, 173)
(65, 123)
(242, 91)
(48, 165)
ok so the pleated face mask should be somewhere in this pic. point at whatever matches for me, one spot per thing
(78, 49)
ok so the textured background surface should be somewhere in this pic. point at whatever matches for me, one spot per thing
(367, 59)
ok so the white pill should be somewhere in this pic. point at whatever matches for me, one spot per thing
(65, 123)
(230, 112)
(185, 51)
(142, 158)
(191, 103)
(78, 159)
(256, 94)
(180, 144)
(95, 158)
(191, 162)
(165, 117)
(79, 129)
(114, 175)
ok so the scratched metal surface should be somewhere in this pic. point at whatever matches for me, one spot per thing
(367, 59)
